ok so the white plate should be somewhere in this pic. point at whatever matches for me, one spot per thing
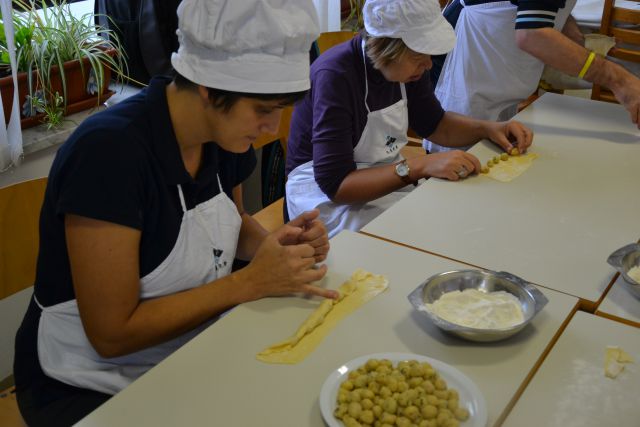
(470, 395)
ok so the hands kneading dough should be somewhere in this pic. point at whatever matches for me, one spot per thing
(360, 288)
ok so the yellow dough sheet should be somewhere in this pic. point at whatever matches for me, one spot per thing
(513, 167)
(360, 288)
(614, 360)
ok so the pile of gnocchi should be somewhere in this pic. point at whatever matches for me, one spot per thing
(407, 395)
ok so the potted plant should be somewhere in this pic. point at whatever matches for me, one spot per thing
(351, 14)
(64, 62)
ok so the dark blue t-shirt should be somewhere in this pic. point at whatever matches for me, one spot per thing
(122, 165)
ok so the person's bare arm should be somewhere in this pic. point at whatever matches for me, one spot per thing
(104, 260)
(561, 53)
(454, 130)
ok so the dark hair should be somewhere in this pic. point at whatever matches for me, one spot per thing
(225, 99)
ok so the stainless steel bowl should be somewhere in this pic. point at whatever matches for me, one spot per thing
(623, 260)
(531, 299)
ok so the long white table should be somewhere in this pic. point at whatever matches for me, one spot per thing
(216, 380)
(571, 390)
(554, 225)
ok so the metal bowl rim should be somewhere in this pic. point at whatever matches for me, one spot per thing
(460, 328)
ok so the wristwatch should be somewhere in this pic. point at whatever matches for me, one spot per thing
(403, 170)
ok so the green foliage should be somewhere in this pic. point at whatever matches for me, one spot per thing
(53, 110)
(354, 21)
(51, 38)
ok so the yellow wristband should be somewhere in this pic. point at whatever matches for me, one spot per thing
(587, 64)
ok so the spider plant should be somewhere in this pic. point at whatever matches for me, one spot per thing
(52, 36)
(354, 21)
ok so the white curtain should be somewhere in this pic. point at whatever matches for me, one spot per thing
(10, 135)
(329, 14)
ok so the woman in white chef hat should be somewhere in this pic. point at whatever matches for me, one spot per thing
(344, 146)
(138, 230)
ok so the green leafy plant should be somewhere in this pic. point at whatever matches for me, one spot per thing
(53, 110)
(45, 40)
(354, 21)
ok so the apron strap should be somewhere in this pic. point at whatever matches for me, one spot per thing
(181, 195)
(37, 302)
(219, 183)
(366, 83)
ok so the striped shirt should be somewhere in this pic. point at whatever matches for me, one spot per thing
(537, 14)
(531, 13)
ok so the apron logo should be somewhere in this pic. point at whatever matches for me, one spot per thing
(217, 254)
(390, 144)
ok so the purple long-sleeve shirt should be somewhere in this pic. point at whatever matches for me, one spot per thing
(327, 124)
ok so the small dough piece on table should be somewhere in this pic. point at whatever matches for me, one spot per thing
(361, 287)
(510, 169)
(614, 360)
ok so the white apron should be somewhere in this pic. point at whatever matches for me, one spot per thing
(382, 138)
(204, 251)
(486, 75)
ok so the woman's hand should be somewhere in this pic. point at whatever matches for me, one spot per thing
(314, 233)
(451, 165)
(285, 261)
(504, 134)
(626, 89)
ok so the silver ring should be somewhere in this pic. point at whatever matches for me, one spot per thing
(462, 172)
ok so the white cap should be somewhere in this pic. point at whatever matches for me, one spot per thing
(250, 46)
(419, 23)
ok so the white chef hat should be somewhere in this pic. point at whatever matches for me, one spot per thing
(250, 46)
(419, 23)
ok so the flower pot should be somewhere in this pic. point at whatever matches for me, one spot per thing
(78, 97)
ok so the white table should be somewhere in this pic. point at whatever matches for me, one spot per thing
(554, 225)
(620, 303)
(571, 390)
(216, 380)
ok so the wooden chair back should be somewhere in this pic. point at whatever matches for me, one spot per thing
(332, 38)
(624, 25)
(19, 235)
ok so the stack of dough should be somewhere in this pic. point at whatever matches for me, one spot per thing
(614, 360)
(360, 288)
